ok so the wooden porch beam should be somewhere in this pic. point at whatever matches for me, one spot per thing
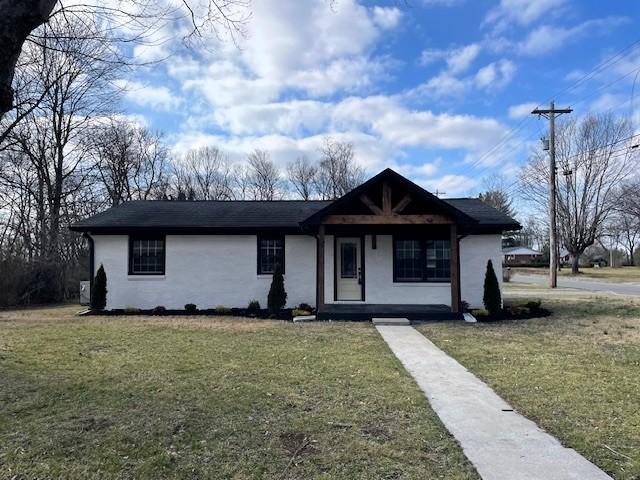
(429, 219)
(369, 203)
(386, 198)
(320, 270)
(402, 204)
(454, 267)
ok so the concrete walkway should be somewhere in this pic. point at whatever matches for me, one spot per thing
(501, 444)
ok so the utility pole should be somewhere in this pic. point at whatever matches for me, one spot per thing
(551, 114)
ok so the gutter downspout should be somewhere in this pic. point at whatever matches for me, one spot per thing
(90, 242)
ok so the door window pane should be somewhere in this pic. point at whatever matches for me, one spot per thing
(348, 260)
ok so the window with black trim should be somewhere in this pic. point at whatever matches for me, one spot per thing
(421, 260)
(147, 255)
(270, 253)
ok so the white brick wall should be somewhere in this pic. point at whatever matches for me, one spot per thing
(211, 270)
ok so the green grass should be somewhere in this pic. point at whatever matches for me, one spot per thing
(576, 373)
(618, 274)
(165, 398)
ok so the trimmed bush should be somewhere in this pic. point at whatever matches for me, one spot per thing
(480, 313)
(277, 298)
(305, 306)
(99, 290)
(191, 308)
(253, 307)
(492, 299)
(158, 310)
(299, 312)
(132, 310)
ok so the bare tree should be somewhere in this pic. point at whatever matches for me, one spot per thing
(47, 153)
(627, 217)
(204, 174)
(121, 22)
(265, 181)
(302, 176)
(338, 173)
(496, 195)
(130, 161)
(593, 159)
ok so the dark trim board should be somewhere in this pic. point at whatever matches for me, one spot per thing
(365, 312)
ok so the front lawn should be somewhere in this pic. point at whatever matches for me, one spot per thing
(198, 397)
(576, 373)
(617, 274)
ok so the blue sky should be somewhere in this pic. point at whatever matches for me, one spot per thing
(428, 87)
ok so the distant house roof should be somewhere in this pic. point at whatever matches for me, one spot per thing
(520, 251)
(246, 215)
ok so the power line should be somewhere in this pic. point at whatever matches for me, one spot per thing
(598, 68)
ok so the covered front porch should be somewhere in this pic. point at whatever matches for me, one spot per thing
(388, 249)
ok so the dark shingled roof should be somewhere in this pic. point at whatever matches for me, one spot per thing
(195, 215)
(208, 214)
(481, 212)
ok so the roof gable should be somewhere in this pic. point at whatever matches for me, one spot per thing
(422, 200)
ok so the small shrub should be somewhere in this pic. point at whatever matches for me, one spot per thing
(299, 312)
(191, 308)
(131, 310)
(305, 306)
(158, 310)
(492, 299)
(99, 291)
(253, 307)
(277, 297)
(465, 306)
(480, 312)
(222, 310)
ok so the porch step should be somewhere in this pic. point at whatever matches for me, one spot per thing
(390, 321)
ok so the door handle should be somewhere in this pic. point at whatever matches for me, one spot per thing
(359, 276)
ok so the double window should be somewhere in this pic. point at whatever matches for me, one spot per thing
(270, 254)
(421, 260)
(146, 255)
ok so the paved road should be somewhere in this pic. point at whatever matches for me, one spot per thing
(501, 443)
(614, 288)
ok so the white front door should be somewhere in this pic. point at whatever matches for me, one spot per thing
(348, 269)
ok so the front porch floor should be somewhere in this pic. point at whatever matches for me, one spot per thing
(366, 311)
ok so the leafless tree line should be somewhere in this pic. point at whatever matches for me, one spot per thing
(70, 154)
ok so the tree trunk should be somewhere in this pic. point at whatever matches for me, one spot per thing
(17, 21)
(575, 263)
(632, 261)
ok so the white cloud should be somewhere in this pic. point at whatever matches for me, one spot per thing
(521, 110)
(450, 185)
(156, 97)
(496, 74)
(522, 12)
(386, 17)
(458, 59)
(493, 76)
(547, 38)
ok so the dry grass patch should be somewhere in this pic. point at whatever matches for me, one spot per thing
(576, 373)
(200, 397)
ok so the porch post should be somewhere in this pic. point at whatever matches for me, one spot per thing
(454, 259)
(320, 270)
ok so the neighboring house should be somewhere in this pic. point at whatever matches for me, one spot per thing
(514, 256)
(386, 247)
